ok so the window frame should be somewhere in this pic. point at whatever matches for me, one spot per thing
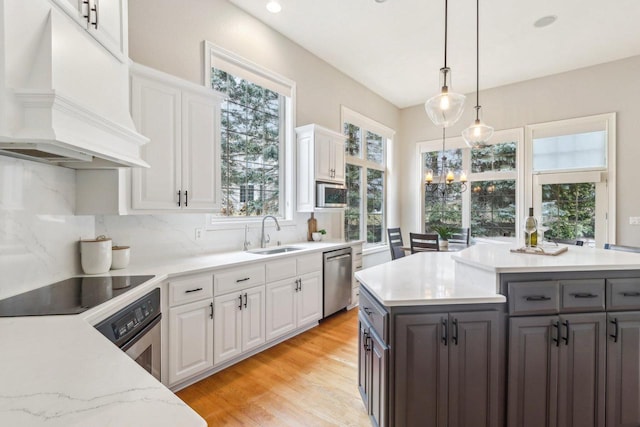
(216, 56)
(603, 177)
(457, 142)
(366, 124)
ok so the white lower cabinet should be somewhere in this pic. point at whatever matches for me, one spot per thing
(292, 303)
(238, 323)
(191, 340)
(220, 316)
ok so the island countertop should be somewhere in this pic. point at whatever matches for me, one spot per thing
(424, 279)
(497, 258)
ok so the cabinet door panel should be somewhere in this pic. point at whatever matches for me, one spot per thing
(309, 299)
(155, 109)
(190, 340)
(421, 366)
(363, 361)
(227, 327)
(533, 372)
(474, 364)
(200, 152)
(378, 389)
(338, 157)
(581, 373)
(623, 370)
(323, 157)
(253, 333)
(280, 308)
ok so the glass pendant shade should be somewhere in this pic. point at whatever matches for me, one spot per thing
(478, 134)
(446, 108)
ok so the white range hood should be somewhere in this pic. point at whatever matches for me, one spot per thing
(64, 99)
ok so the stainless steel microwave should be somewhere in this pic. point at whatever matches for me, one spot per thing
(331, 195)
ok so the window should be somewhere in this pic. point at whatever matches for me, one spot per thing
(572, 178)
(366, 174)
(256, 132)
(488, 205)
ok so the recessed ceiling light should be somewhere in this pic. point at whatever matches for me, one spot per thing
(380, 1)
(545, 21)
(274, 7)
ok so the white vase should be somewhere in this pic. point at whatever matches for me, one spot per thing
(316, 237)
(444, 245)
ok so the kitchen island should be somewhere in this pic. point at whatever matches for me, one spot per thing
(486, 337)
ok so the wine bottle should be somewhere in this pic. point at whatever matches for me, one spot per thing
(531, 227)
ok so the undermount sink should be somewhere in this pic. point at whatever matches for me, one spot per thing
(273, 251)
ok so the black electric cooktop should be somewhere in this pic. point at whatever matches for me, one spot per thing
(70, 296)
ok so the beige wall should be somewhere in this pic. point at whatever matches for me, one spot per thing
(610, 87)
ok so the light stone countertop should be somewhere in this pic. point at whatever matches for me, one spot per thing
(60, 371)
(498, 258)
(471, 276)
(424, 279)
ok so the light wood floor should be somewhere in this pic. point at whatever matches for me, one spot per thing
(309, 380)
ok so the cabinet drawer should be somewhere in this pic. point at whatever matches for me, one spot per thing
(281, 269)
(309, 263)
(375, 313)
(533, 297)
(235, 279)
(623, 294)
(582, 295)
(189, 289)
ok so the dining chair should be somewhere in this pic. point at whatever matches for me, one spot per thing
(424, 242)
(461, 235)
(621, 248)
(395, 243)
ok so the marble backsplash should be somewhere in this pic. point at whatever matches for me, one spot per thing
(167, 237)
(39, 232)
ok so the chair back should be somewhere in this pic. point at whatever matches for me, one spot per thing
(621, 248)
(395, 243)
(462, 235)
(423, 242)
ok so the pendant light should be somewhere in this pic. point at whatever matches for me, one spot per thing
(477, 134)
(445, 108)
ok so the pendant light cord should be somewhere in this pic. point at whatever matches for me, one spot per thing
(446, 5)
(477, 59)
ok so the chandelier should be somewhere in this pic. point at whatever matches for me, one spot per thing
(445, 108)
(446, 176)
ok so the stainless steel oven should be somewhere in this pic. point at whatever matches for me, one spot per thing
(136, 330)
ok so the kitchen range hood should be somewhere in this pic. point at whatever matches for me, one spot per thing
(64, 99)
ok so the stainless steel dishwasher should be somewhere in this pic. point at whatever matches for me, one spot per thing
(337, 280)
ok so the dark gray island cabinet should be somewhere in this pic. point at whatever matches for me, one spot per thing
(574, 349)
(547, 344)
(432, 365)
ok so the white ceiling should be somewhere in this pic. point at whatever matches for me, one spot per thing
(396, 48)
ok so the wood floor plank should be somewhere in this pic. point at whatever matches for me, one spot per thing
(309, 380)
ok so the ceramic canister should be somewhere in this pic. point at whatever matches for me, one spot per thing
(120, 257)
(95, 255)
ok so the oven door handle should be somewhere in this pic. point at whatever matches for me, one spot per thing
(127, 345)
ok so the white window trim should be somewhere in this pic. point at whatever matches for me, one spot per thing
(350, 116)
(260, 75)
(499, 137)
(605, 176)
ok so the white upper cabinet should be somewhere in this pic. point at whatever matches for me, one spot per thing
(105, 20)
(321, 157)
(182, 122)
